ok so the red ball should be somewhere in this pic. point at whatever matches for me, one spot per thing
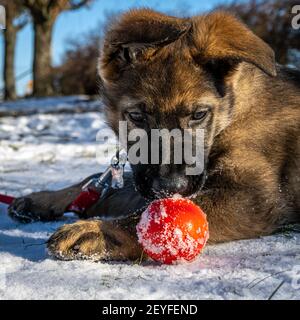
(172, 230)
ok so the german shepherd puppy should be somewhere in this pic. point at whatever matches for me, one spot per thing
(208, 72)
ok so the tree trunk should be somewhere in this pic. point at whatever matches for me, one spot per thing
(42, 78)
(8, 71)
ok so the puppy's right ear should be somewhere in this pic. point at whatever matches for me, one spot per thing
(220, 37)
(135, 38)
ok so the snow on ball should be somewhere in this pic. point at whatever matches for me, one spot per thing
(172, 230)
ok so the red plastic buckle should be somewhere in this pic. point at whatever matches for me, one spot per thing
(85, 200)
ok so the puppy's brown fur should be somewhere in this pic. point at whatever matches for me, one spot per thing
(165, 66)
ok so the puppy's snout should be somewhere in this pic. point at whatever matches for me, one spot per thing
(171, 185)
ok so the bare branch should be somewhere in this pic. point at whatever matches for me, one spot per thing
(78, 4)
(23, 20)
(29, 3)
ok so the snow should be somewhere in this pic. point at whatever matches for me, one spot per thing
(50, 149)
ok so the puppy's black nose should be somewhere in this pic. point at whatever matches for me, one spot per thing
(171, 185)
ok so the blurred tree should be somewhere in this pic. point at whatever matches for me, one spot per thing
(44, 14)
(271, 20)
(16, 18)
(78, 72)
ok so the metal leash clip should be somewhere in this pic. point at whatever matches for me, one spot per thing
(96, 188)
(112, 177)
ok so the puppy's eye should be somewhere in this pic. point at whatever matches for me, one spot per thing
(199, 115)
(136, 116)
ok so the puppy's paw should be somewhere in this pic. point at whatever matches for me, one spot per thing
(80, 240)
(21, 210)
(39, 206)
(94, 240)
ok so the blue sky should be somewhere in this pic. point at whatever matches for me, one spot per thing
(74, 24)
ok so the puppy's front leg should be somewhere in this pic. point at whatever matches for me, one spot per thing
(103, 240)
(44, 205)
(96, 240)
(50, 205)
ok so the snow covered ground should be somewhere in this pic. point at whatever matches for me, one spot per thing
(49, 150)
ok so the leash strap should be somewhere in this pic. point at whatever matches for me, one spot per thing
(6, 199)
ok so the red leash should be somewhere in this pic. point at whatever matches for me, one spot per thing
(6, 199)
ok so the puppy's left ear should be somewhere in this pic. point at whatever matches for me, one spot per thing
(221, 37)
(136, 37)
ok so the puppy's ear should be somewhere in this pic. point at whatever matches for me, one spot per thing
(135, 38)
(220, 37)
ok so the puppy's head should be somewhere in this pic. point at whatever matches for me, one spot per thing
(162, 72)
